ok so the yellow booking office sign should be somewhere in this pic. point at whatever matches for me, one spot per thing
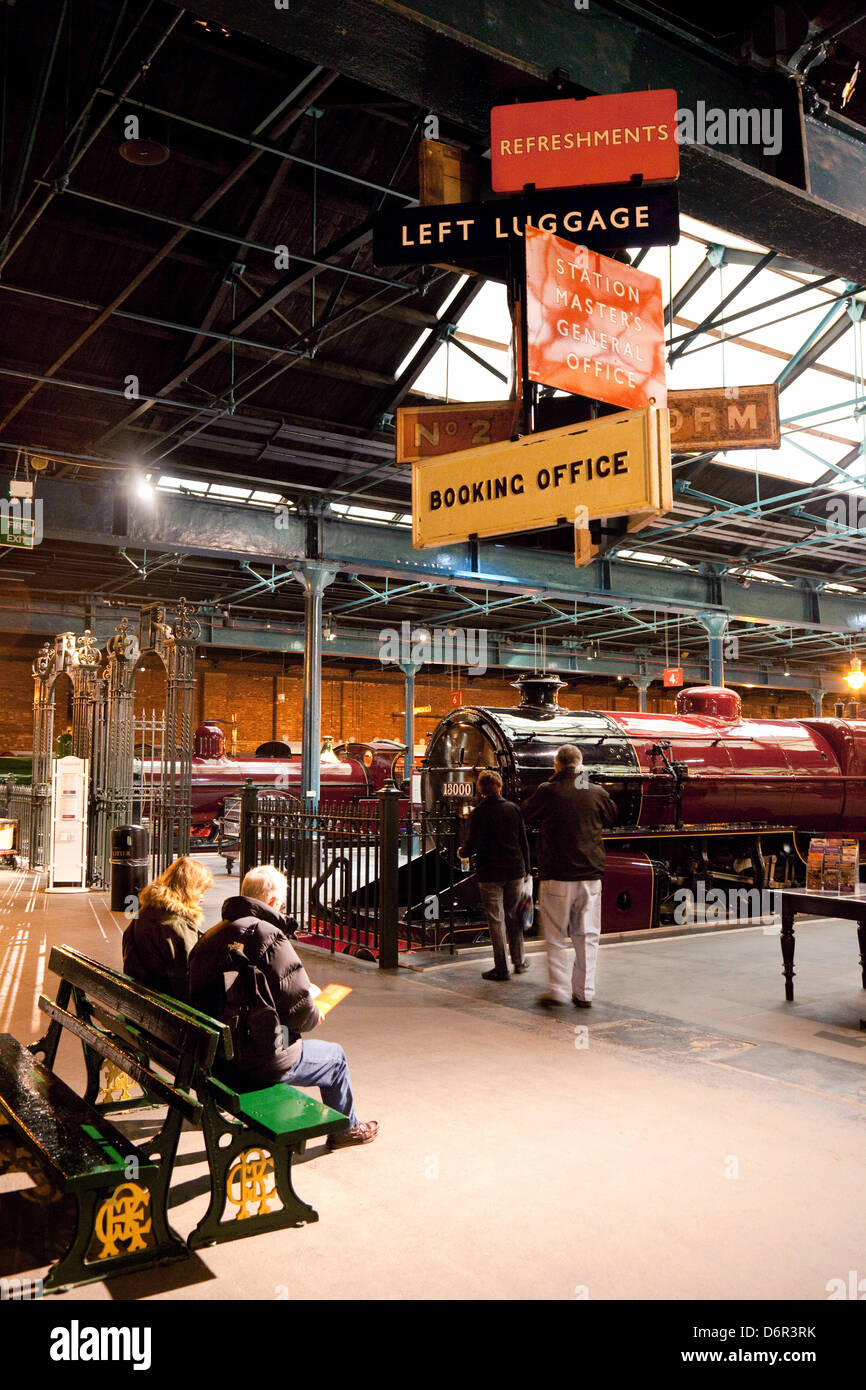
(619, 465)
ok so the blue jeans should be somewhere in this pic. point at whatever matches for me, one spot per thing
(323, 1064)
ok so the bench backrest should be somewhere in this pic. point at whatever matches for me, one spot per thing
(180, 1029)
(119, 1021)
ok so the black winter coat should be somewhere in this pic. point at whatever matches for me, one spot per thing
(157, 943)
(497, 838)
(571, 820)
(220, 985)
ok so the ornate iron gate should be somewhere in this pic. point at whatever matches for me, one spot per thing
(104, 732)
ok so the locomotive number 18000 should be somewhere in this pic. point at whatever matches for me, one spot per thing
(459, 789)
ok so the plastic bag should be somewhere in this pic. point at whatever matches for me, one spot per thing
(526, 907)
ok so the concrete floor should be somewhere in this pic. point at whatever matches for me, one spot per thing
(692, 1137)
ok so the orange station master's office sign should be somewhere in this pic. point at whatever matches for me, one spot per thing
(561, 144)
(595, 326)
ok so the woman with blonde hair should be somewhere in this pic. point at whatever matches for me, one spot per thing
(157, 943)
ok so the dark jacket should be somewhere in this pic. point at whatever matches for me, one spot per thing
(571, 820)
(223, 984)
(157, 943)
(497, 838)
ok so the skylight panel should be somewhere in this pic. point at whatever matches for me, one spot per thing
(376, 514)
(786, 462)
(652, 557)
(182, 485)
(226, 490)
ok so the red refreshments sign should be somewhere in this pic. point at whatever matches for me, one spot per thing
(558, 144)
(594, 326)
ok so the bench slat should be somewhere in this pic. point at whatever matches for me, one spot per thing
(188, 1106)
(157, 1014)
(279, 1111)
(77, 1146)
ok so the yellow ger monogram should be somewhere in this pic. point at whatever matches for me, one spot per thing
(121, 1217)
(248, 1177)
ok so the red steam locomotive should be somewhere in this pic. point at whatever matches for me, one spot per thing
(705, 797)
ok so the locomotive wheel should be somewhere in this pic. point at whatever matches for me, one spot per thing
(359, 952)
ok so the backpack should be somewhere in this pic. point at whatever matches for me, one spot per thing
(249, 1010)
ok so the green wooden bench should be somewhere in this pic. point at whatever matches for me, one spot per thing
(120, 1188)
(250, 1137)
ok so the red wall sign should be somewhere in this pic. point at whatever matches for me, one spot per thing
(558, 144)
(594, 326)
(672, 675)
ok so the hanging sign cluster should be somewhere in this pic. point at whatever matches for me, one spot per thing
(584, 177)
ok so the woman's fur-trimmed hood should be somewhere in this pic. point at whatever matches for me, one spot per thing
(160, 898)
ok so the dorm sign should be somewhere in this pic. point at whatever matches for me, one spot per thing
(618, 465)
(595, 326)
(609, 139)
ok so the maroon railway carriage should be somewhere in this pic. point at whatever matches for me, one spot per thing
(703, 795)
(359, 771)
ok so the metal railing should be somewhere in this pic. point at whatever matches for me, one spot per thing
(31, 807)
(368, 878)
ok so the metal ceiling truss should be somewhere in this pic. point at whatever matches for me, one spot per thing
(505, 652)
(460, 61)
(74, 511)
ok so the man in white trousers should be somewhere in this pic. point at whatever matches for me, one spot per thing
(571, 865)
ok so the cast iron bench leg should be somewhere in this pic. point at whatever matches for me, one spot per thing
(237, 1172)
(787, 939)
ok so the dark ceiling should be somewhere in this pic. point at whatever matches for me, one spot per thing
(121, 285)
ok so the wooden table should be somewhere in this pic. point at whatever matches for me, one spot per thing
(814, 903)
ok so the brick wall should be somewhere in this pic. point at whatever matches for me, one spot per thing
(366, 705)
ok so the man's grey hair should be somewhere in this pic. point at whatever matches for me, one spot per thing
(569, 758)
(265, 882)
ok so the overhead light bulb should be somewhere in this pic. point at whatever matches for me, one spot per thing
(144, 487)
(855, 678)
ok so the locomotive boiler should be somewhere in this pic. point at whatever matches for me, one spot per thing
(704, 796)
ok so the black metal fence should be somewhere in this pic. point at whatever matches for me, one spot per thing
(370, 878)
(31, 808)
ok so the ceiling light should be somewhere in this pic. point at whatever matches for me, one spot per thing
(855, 678)
(144, 487)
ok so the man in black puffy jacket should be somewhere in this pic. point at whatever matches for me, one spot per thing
(245, 972)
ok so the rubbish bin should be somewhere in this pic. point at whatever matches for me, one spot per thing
(130, 864)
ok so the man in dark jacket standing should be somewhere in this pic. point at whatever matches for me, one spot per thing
(245, 972)
(571, 864)
(497, 838)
